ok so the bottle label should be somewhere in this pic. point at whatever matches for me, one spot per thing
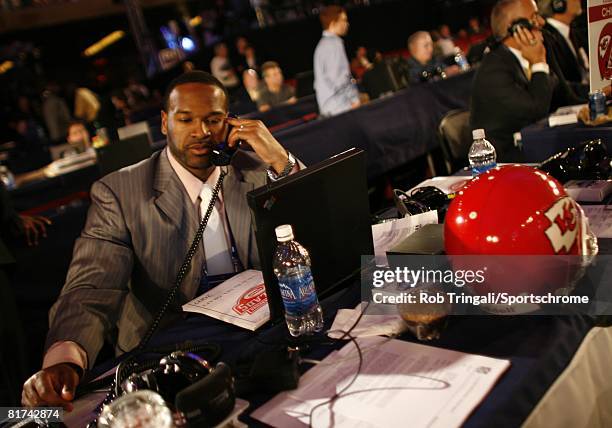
(298, 292)
(482, 168)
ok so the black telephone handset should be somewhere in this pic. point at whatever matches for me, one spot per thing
(520, 22)
(222, 153)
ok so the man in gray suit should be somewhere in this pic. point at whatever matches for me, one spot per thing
(140, 225)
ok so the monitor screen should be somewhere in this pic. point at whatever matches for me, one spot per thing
(327, 205)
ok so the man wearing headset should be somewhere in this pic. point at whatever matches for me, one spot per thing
(141, 223)
(568, 61)
(560, 45)
(513, 86)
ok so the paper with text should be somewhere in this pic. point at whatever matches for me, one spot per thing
(600, 219)
(387, 235)
(369, 325)
(241, 300)
(400, 384)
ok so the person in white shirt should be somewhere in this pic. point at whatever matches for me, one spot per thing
(222, 69)
(334, 85)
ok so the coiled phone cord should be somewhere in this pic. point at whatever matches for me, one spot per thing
(169, 298)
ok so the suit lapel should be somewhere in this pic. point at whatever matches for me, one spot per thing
(234, 198)
(509, 57)
(173, 200)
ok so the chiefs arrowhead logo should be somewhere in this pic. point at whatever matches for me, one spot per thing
(253, 299)
(563, 229)
(605, 52)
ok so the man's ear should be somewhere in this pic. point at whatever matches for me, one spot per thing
(164, 122)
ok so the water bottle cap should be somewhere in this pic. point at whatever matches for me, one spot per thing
(284, 233)
(478, 134)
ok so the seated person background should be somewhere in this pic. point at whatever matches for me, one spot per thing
(245, 99)
(158, 201)
(360, 63)
(569, 58)
(274, 92)
(422, 65)
(513, 86)
(78, 139)
(445, 44)
(13, 341)
(78, 135)
(222, 69)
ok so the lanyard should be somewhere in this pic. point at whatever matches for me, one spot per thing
(208, 282)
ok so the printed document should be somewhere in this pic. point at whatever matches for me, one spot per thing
(387, 235)
(241, 300)
(400, 384)
(600, 219)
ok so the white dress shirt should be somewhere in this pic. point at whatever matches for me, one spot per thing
(564, 29)
(535, 68)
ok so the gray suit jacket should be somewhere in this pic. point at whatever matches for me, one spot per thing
(139, 228)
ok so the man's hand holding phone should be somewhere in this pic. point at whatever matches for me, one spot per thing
(255, 134)
(531, 44)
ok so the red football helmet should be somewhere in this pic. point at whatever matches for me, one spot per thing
(517, 210)
(512, 210)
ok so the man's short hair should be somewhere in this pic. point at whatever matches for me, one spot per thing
(545, 8)
(414, 37)
(268, 65)
(195, 76)
(501, 19)
(74, 122)
(330, 14)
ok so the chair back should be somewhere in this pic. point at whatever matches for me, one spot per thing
(455, 138)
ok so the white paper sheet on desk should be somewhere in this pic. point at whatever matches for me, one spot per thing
(448, 184)
(369, 325)
(241, 300)
(600, 219)
(389, 234)
(400, 384)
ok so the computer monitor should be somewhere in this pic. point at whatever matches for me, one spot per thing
(119, 154)
(327, 205)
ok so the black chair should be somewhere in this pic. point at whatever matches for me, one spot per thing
(386, 77)
(455, 138)
(120, 154)
(304, 83)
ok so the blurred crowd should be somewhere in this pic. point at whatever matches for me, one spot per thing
(37, 113)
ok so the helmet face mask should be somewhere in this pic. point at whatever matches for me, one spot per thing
(525, 214)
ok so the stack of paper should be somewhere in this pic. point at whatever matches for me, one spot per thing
(588, 190)
(241, 300)
(600, 219)
(387, 235)
(400, 384)
(447, 184)
(369, 325)
(565, 115)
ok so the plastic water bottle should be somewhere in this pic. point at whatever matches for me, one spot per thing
(482, 154)
(7, 177)
(461, 60)
(292, 268)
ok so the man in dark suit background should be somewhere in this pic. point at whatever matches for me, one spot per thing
(513, 87)
(570, 59)
(140, 225)
(559, 40)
